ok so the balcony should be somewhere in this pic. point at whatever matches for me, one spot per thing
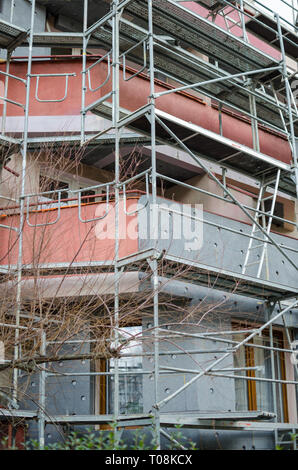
(57, 104)
(78, 239)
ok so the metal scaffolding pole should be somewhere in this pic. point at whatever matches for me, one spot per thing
(115, 120)
(292, 139)
(42, 395)
(253, 112)
(22, 201)
(273, 375)
(12, 6)
(154, 221)
(4, 113)
(84, 67)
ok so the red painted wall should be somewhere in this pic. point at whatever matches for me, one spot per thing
(133, 95)
(69, 239)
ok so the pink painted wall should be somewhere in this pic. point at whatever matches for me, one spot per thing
(70, 240)
(49, 88)
(133, 95)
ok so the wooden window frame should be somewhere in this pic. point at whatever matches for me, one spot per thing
(250, 362)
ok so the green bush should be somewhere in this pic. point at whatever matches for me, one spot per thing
(108, 440)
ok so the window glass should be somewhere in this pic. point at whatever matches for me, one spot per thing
(258, 395)
(130, 383)
(48, 184)
(240, 385)
(262, 360)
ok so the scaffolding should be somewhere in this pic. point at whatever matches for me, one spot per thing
(164, 37)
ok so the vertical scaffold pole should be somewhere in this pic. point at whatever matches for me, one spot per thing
(243, 26)
(6, 83)
(253, 112)
(22, 203)
(115, 119)
(42, 395)
(273, 376)
(12, 5)
(154, 222)
(289, 98)
(84, 66)
(8, 59)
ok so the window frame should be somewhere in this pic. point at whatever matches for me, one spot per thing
(101, 382)
(74, 184)
(249, 352)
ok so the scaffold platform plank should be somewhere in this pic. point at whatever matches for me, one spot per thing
(210, 145)
(59, 39)
(227, 415)
(201, 34)
(147, 419)
(122, 421)
(196, 422)
(217, 147)
(245, 421)
(10, 34)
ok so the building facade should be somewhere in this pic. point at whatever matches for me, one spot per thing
(149, 220)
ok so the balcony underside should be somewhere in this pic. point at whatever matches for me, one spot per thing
(186, 68)
(209, 145)
(189, 271)
(209, 276)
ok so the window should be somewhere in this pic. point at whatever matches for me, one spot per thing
(130, 381)
(278, 212)
(284, 208)
(87, 196)
(61, 51)
(5, 387)
(48, 184)
(6, 353)
(257, 395)
(66, 186)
